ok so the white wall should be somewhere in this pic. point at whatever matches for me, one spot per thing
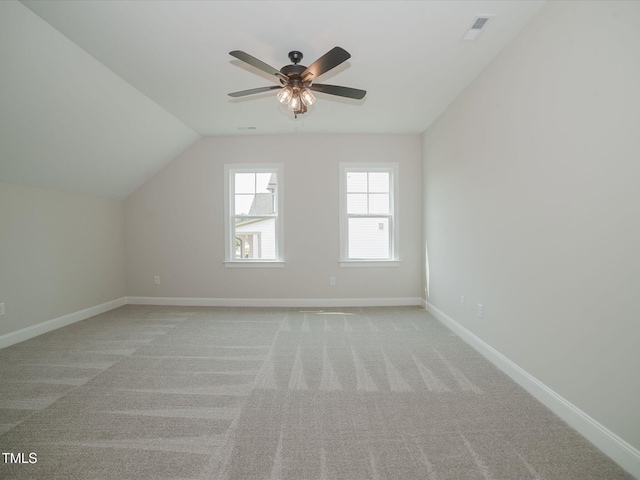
(60, 253)
(174, 223)
(532, 207)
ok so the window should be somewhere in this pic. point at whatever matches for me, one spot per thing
(368, 205)
(253, 206)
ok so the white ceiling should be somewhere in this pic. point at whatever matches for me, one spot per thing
(96, 96)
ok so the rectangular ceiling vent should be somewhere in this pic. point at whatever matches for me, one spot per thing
(477, 26)
(479, 23)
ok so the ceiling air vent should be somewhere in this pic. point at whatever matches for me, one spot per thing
(477, 26)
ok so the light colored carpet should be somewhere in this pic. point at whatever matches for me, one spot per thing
(240, 393)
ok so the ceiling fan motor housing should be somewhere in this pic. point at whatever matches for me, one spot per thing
(292, 71)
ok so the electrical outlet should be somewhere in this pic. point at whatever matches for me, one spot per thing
(332, 281)
(156, 280)
(461, 301)
(1, 308)
(480, 310)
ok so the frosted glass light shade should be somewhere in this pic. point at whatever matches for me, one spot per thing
(307, 97)
(284, 95)
(294, 104)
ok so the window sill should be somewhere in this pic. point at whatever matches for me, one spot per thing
(254, 264)
(369, 263)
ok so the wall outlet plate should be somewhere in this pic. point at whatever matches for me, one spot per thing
(1, 308)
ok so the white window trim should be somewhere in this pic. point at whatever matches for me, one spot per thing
(229, 246)
(394, 169)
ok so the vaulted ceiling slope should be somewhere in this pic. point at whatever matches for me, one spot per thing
(69, 123)
(96, 96)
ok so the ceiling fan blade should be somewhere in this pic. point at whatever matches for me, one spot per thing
(337, 90)
(329, 60)
(244, 93)
(259, 64)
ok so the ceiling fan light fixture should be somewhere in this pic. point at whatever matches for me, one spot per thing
(284, 96)
(307, 97)
(295, 80)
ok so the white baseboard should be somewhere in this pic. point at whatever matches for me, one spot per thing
(26, 333)
(275, 302)
(612, 445)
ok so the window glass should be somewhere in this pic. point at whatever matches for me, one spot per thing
(379, 182)
(356, 182)
(379, 203)
(253, 221)
(369, 238)
(367, 226)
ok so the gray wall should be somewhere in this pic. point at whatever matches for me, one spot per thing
(59, 253)
(532, 207)
(174, 223)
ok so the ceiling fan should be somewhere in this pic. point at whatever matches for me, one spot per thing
(296, 81)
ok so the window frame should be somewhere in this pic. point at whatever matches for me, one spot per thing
(229, 214)
(393, 168)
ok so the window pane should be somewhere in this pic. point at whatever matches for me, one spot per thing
(243, 204)
(252, 221)
(263, 204)
(265, 182)
(368, 238)
(245, 183)
(379, 203)
(356, 181)
(357, 203)
(255, 238)
(379, 182)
